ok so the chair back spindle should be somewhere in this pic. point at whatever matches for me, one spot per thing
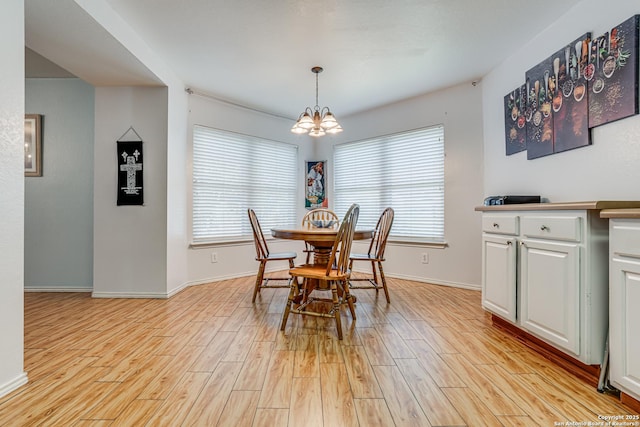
(383, 228)
(339, 258)
(320, 214)
(262, 250)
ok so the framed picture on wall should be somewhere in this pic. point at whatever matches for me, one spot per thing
(613, 77)
(32, 145)
(315, 189)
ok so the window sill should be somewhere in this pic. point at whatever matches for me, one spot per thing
(229, 243)
(417, 243)
(393, 241)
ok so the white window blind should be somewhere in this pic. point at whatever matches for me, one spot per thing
(233, 172)
(404, 171)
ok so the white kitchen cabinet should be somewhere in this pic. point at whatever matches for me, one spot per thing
(550, 287)
(499, 245)
(545, 271)
(624, 304)
(499, 275)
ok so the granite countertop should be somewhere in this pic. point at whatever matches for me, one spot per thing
(620, 213)
(611, 205)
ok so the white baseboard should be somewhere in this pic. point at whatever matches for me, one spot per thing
(185, 285)
(221, 278)
(14, 384)
(473, 287)
(153, 295)
(57, 289)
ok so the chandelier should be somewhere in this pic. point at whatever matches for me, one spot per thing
(317, 121)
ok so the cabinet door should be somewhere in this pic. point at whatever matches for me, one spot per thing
(499, 275)
(550, 286)
(624, 317)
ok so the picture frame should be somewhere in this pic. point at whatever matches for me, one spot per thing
(33, 145)
(315, 188)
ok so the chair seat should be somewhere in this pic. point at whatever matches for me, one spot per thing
(318, 272)
(364, 257)
(281, 256)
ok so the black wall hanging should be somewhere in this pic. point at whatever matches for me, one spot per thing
(130, 161)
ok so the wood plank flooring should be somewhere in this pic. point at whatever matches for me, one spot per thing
(209, 357)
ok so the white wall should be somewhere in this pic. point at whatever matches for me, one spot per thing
(130, 242)
(178, 180)
(59, 205)
(459, 110)
(606, 170)
(154, 264)
(238, 259)
(12, 196)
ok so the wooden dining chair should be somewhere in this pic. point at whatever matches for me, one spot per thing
(332, 277)
(375, 255)
(315, 217)
(263, 256)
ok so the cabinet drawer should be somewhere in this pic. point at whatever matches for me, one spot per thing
(500, 224)
(625, 239)
(552, 227)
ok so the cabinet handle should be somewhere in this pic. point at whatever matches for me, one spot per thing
(544, 228)
(509, 242)
(522, 244)
(496, 225)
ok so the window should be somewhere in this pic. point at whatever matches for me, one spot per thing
(233, 172)
(404, 171)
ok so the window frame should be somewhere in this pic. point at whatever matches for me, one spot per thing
(246, 168)
(364, 150)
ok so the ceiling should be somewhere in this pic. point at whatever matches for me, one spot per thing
(259, 53)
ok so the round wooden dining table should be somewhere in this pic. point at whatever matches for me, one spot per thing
(321, 239)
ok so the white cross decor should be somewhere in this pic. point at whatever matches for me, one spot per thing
(130, 183)
(131, 167)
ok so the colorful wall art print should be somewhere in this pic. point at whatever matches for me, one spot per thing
(514, 121)
(613, 74)
(570, 97)
(539, 121)
(315, 194)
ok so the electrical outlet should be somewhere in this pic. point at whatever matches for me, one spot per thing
(425, 258)
(214, 257)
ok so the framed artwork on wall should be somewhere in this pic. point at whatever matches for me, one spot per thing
(590, 82)
(315, 188)
(571, 97)
(539, 121)
(613, 74)
(514, 120)
(33, 145)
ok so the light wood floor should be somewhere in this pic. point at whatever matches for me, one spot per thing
(208, 356)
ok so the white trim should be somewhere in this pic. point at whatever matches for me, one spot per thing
(470, 286)
(178, 290)
(58, 289)
(398, 241)
(14, 384)
(222, 278)
(225, 244)
(129, 295)
(474, 287)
